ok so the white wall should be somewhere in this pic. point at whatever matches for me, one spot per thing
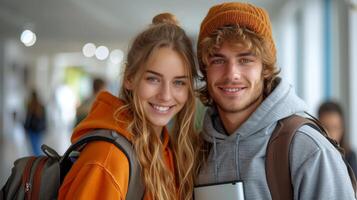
(14, 86)
(312, 54)
(352, 75)
(286, 28)
(300, 49)
(2, 83)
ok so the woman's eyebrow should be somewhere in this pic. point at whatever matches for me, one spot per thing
(158, 74)
(153, 72)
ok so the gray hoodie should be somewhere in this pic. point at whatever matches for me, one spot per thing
(317, 169)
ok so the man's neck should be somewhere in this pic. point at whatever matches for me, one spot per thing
(233, 120)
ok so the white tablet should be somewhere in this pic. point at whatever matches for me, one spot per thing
(218, 191)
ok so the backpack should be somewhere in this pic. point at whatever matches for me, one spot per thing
(277, 155)
(41, 177)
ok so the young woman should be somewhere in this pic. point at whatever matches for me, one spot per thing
(157, 87)
(332, 117)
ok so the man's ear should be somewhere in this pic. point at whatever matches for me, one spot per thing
(128, 84)
(265, 72)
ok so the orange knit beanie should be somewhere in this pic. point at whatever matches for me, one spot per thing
(243, 14)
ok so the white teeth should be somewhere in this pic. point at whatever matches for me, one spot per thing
(231, 89)
(161, 108)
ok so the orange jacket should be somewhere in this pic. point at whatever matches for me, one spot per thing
(102, 170)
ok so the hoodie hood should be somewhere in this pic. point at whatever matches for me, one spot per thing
(104, 115)
(101, 164)
(281, 103)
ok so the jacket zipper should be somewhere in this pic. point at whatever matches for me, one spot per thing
(26, 177)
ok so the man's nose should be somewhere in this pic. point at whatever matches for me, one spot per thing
(233, 70)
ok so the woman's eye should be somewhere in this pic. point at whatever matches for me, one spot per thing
(152, 79)
(179, 82)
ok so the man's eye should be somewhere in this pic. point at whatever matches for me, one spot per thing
(244, 61)
(217, 62)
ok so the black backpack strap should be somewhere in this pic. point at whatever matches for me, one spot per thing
(277, 157)
(135, 188)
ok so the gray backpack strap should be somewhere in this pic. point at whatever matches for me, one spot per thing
(135, 188)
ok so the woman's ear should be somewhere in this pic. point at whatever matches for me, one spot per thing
(128, 84)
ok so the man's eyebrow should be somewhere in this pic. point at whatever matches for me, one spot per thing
(249, 53)
(217, 55)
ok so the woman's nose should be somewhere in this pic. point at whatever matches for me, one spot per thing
(165, 92)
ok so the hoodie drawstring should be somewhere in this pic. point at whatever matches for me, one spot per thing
(214, 158)
(237, 157)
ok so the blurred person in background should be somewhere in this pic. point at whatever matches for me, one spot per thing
(158, 85)
(98, 85)
(35, 122)
(331, 116)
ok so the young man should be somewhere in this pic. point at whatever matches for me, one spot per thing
(246, 99)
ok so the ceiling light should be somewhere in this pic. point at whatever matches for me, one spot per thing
(28, 38)
(102, 52)
(116, 56)
(88, 50)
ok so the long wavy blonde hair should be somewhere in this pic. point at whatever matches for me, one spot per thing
(159, 182)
